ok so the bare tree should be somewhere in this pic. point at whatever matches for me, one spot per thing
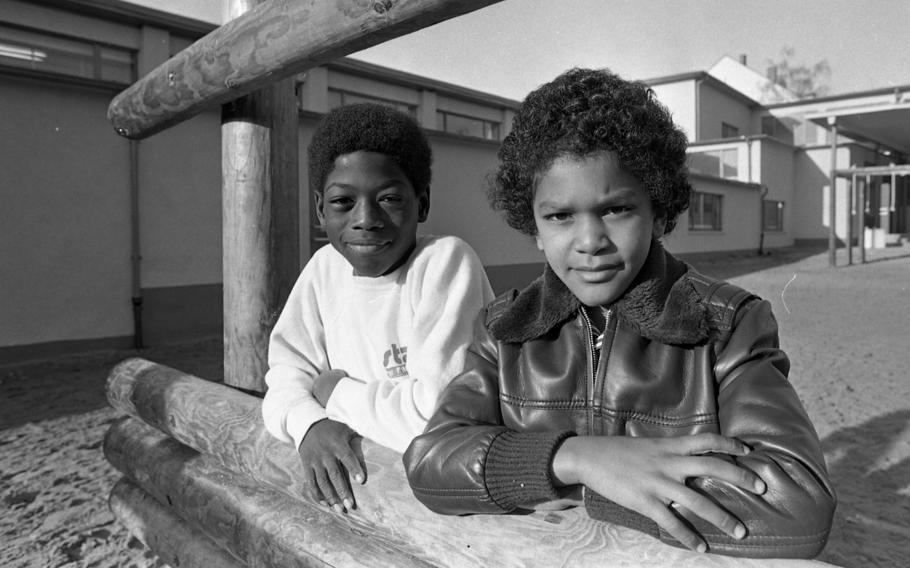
(806, 81)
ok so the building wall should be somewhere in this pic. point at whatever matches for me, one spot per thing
(739, 227)
(680, 98)
(717, 108)
(777, 169)
(65, 219)
(812, 182)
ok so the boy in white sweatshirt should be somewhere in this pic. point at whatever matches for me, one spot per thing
(378, 323)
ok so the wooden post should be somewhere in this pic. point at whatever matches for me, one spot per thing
(862, 215)
(832, 198)
(260, 245)
(851, 219)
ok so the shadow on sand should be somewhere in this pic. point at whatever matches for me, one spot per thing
(869, 465)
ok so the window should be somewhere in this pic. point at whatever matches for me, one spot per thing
(705, 212)
(721, 163)
(728, 130)
(467, 126)
(772, 215)
(339, 98)
(52, 54)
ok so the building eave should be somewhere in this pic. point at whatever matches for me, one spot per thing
(373, 71)
(134, 14)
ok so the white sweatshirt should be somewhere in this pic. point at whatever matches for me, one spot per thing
(400, 338)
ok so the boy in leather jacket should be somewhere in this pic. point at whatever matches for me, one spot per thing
(621, 376)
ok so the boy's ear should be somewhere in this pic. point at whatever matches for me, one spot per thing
(319, 215)
(538, 241)
(660, 225)
(423, 206)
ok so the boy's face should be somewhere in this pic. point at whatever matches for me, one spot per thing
(594, 224)
(370, 212)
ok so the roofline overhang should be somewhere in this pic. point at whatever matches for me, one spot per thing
(704, 77)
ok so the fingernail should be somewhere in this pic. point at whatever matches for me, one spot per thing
(358, 478)
(702, 547)
(338, 508)
(747, 450)
(760, 487)
(739, 531)
(348, 504)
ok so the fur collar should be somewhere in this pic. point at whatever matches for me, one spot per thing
(661, 305)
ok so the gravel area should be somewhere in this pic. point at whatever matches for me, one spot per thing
(845, 329)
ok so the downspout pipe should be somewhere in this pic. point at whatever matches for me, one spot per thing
(761, 220)
(135, 256)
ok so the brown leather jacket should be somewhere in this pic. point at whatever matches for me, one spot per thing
(683, 354)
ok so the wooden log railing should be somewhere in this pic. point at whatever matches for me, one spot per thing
(197, 452)
(173, 540)
(274, 40)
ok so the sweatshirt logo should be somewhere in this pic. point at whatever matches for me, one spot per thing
(395, 361)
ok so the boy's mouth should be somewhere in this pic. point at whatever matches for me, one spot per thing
(367, 246)
(598, 273)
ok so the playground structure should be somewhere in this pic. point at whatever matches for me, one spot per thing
(203, 483)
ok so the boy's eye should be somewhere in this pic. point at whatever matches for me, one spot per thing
(341, 202)
(557, 217)
(616, 210)
(391, 198)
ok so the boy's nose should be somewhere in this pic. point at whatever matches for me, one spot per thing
(591, 236)
(366, 216)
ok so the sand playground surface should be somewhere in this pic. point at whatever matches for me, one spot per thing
(846, 329)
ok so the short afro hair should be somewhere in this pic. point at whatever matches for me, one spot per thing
(581, 112)
(370, 127)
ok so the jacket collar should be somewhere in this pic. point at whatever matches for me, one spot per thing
(659, 305)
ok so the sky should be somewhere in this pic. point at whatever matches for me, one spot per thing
(510, 48)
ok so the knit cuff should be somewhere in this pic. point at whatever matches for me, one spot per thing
(518, 468)
(603, 509)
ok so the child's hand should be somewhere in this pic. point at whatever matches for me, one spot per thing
(325, 383)
(330, 452)
(648, 475)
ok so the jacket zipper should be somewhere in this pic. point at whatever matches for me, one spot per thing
(592, 370)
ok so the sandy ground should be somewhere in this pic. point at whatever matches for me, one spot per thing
(846, 330)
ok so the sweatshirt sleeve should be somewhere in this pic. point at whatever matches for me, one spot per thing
(296, 356)
(447, 289)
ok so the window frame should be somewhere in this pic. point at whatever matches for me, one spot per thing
(778, 216)
(71, 57)
(494, 126)
(726, 127)
(697, 212)
(344, 94)
(726, 169)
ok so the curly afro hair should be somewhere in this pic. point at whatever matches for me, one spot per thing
(370, 127)
(581, 112)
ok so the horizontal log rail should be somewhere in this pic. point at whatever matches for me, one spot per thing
(250, 520)
(166, 534)
(274, 40)
(225, 454)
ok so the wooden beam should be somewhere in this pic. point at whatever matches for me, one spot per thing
(165, 533)
(275, 40)
(226, 426)
(255, 523)
(208, 417)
